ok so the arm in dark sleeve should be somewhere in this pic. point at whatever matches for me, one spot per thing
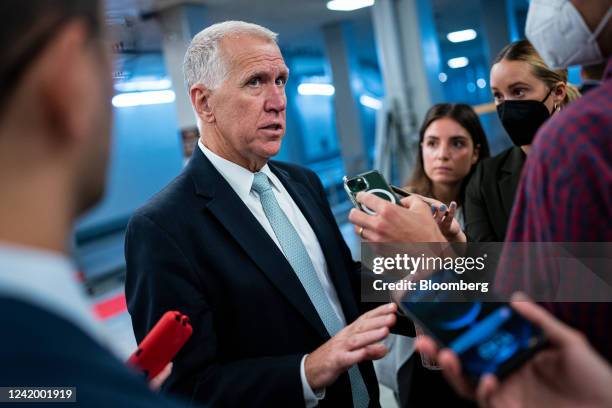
(160, 278)
(42, 349)
(478, 228)
(403, 326)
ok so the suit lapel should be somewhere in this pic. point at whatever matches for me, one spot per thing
(508, 182)
(224, 204)
(325, 233)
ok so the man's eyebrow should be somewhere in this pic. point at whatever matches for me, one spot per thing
(247, 76)
(264, 73)
(284, 71)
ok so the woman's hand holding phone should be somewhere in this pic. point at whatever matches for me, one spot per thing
(443, 215)
(445, 218)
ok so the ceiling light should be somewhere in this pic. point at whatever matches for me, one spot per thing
(370, 102)
(124, 100)
(458, 62)
(348, 5)
(461, 36)
(316, 89)
(143, 84)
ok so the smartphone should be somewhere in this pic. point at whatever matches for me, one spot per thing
(488, 337)
(161, 344)
(399, 191)
(372, 182)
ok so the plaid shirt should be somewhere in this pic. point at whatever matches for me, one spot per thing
(565, 195)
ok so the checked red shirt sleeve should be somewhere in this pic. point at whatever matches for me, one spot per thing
(565, 195)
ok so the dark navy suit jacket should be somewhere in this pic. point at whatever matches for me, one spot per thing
(38, 348)
(196, 248)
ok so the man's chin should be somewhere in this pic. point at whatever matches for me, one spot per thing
(271, 149)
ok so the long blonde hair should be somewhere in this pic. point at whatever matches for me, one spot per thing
(523, 51)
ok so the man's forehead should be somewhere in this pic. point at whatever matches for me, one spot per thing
(248, 53)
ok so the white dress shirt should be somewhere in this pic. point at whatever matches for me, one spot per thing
(241, 180)
(48, 280)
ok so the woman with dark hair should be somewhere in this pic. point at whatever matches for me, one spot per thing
(527, 92)
(451, 143)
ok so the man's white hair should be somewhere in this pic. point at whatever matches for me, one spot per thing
(204, 62)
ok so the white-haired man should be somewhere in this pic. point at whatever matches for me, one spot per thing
(250, 250)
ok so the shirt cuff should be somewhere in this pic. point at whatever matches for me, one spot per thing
(311, 398)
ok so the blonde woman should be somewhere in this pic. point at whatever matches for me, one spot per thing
(527, 92)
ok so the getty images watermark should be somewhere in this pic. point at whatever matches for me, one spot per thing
(545, 271)
(411, 265)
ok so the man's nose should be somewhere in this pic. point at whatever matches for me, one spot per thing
(276, 100)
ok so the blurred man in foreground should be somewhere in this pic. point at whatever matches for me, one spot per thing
(55, 117)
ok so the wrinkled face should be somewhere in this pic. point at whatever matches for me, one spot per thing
(448, 152)
(248, 108)
(514, 80)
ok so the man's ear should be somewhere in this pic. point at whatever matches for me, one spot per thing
(63, 73)
(201, 102)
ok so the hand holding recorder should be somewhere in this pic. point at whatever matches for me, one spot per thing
(162, 343)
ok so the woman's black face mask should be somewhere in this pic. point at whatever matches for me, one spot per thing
(523, 118)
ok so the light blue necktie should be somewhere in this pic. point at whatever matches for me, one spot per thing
(298, 258)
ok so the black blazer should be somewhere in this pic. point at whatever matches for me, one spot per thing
(489, 196)
(38, 348)
(196, 248)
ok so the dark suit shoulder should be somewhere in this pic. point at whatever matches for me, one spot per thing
(489, 171)
(167, 199)
(24, 319)
(169, 204)
(40, 348)
(491, 165)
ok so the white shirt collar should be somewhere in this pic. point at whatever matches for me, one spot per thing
(48, 280)
(238, 177)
